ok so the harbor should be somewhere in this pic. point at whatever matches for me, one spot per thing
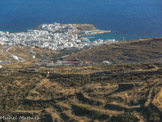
(54, 36)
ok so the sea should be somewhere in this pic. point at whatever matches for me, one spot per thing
(127, 19)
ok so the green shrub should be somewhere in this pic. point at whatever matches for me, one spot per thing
(154, 117)
(126, 117)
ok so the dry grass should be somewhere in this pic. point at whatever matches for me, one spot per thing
(25, 52)
(144, 50)
(157, 101)
(19, 65)
(65, 98)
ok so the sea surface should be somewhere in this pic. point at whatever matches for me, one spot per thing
(131, 19)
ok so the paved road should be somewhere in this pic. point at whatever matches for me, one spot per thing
(6, 49)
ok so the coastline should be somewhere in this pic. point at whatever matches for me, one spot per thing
(83, 30)
(58, 36)
(54, 36)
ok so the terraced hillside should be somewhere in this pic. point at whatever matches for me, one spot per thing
(84, 94)
(137, 51)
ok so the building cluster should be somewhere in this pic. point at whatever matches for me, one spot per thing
(62, 62)
(51, 36)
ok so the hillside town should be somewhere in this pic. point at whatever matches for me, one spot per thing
(50, 36)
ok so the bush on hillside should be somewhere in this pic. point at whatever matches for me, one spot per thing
(126, 117)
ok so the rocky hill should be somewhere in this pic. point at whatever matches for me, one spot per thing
(85, 27)
(143, 50)
(79, 27)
